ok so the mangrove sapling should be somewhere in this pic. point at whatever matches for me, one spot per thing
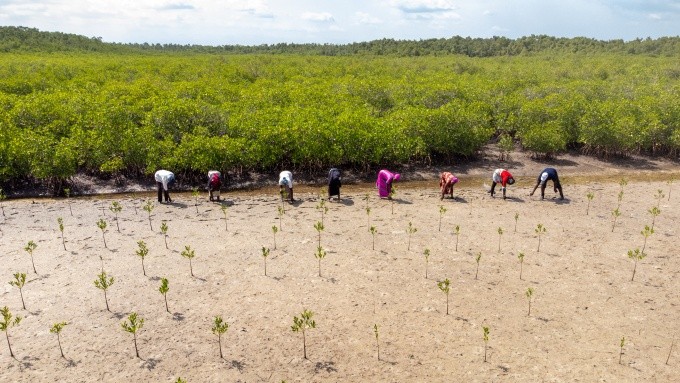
(302, 324)
(373, 231)
(103, 282)
(516, 219)
(655, 213)
(320, 254)
(590, 197)
(411, 229)
(520, 256)
(529, 294)
(19, 281)
(163, 289)
(367, 198)
(148, 207)
(67, 193)
(500, 236)
(319, 228)
(224, 211)
(164, 231)
(60, 221)
(540, 230)
(426, 253)
(393, 191)
(275, 230)
(7, 322)
(670, 185)
(670, 351)
(486, 340)
(180, 380)
(621, 344)
(377, 339)
(659, 196)
(620, 197)
(636, 255)
(3, 197)
(189, 253)
(133, 324)
(56, 329)
(456, 232)
(219, 327)
(265, 255)
(368, 217)
(282, 211)
(30, 247)
(142, 252)
(101, 224)
(616, 213)
(322, 208)
(445, 287)
(195, 193)
(646, 233)
(116, 208)
(478, 257)
(442, 210)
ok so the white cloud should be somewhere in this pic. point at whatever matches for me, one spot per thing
(318, 17)
(365, 18)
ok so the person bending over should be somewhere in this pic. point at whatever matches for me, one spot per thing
(164, 179)
(286, 180)
(446, 182)
(548, 174)
(503, 177)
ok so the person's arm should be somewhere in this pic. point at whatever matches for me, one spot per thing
(535, 187)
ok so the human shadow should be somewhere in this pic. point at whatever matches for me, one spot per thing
(345, 201)
(401, 201)
(180, 205)
(565, 201)
(514, 199)
(225, 203)
(455, 199)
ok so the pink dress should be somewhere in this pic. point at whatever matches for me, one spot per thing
(384, 182)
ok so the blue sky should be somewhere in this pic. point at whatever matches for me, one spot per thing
(253, 22)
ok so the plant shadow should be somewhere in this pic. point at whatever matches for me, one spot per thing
(71, 363)
(150, 363)
(26, 362)
(239, 365)
(178, 317)
(325, 366)
(119, 315)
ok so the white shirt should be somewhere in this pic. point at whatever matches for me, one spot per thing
(286, 178)
(164, 177)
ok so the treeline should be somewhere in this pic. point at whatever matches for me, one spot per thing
(132, 114)
(22, 39)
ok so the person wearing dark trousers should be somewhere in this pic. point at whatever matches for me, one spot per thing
(548, 174)
(503, 177)
(164, 179)
(286, 181)
(334, 183)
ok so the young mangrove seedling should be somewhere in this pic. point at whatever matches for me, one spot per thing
(366, 198)
(133, 324)
(319, 228)
(282, 211)
(103, 282)
(442, 211)
(224, 211)
(659, 196)
(67, 193)
(101, 224)
(426, 253)
(189, 254)
(478, 257)
(620, 198)
(655, 213)
(3, 197)
(500, 236)
(445, 287)
(60, 221)
(322, 208)
(142, 252)
(529, 294)
(377, 339)
(520, 256)
(265, 254)
(19, 281)
(516, 219)
(393, 192)
(670, 185)
(116, 208)
(616, 213)
(219, 328)
(320, 254)
(456, 232)
(275, 230)
(636, 255)
(373, 231)
(621, 344)
(486, 340)
(590, 197)
(540, 230)
(56, 329)
(368, 217)
(180, 380)
(302, 324)
(671, 349)
(30, 247)
(8, 321)
(164, 231)
(646, 232)
(163, 289)
(411, 229)
(195, 193)
(148, 207)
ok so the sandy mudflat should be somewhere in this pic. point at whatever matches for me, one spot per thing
(583, 303)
